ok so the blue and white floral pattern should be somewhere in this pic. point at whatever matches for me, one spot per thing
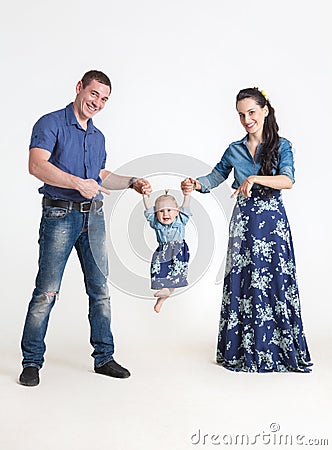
(169, 265)
(260, 326)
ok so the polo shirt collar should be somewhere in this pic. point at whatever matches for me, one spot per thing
(72, 120)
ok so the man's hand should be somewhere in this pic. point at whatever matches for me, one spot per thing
(90, 188)
(142, 186)
(40, 167)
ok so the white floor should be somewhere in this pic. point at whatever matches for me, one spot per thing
(176, 399)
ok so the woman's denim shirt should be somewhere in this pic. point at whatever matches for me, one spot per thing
(173, 232)
(238, 157)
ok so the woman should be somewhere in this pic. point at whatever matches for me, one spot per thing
(260, 324)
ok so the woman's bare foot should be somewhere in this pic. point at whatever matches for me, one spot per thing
(162, 295)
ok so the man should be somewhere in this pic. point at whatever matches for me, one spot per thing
(67, 153)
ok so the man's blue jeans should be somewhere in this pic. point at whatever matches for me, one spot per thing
(62, 229)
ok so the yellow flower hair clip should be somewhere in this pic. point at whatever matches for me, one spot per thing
(264, 94)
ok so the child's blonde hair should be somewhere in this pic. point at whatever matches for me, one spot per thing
(166, 196)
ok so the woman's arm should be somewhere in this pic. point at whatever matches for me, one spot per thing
(271, 181)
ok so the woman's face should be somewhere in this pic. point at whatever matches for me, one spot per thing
(252, 116)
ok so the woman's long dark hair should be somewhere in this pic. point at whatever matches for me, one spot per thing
(269, 155)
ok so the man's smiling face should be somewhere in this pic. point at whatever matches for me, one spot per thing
(90, 100)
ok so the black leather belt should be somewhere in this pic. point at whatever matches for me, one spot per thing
(80, 206)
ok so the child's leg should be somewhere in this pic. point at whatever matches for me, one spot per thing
(164, 292)
(162, 295)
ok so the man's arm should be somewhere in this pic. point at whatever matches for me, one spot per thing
(113, 181)
(41, 168)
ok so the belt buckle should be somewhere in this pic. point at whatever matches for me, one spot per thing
(82, 206)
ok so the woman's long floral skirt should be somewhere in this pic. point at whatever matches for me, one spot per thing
(261, 328)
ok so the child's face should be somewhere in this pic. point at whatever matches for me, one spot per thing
(166, 211)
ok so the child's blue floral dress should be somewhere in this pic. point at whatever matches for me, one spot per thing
(169, 264)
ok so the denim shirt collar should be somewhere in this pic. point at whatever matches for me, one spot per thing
(244, 142)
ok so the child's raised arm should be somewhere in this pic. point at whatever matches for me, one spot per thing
(186, 200)
(146, 201)
(186, 195)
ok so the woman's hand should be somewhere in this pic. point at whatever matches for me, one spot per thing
(245, 188)
(190, 184)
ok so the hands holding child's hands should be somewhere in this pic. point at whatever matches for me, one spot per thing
(142, 186)
(189, 184)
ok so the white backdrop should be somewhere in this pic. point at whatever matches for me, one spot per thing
(176, 67)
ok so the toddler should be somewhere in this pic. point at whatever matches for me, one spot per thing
(169, 264)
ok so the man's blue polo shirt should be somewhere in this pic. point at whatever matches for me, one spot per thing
(74, 150)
